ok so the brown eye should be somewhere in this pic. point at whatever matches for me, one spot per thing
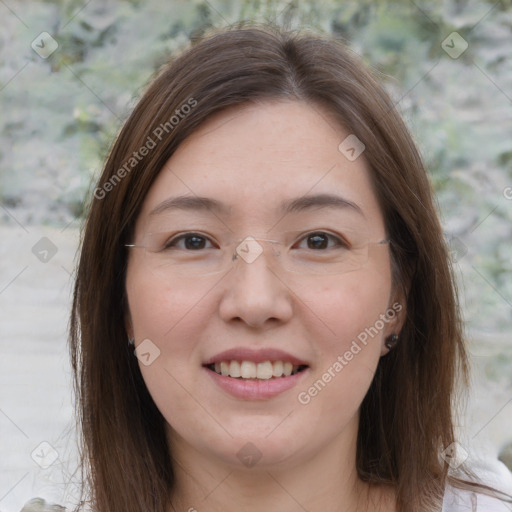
(192, 242)
(320, 240)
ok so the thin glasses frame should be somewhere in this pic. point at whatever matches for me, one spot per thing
(248, 249)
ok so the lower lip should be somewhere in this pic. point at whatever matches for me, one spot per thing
(255, 389)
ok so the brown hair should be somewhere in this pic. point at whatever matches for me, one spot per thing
(406, 416)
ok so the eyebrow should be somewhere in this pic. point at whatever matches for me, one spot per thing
(200, 203)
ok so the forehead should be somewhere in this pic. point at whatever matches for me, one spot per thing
(256, 158)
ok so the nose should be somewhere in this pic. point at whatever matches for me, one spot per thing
(253, 291)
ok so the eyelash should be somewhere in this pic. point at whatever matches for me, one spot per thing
(172, 242)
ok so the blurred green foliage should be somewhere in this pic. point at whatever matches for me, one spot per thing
(60, 114)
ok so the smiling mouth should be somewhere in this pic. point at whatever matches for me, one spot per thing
(248, 370)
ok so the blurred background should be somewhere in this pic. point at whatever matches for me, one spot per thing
(70, 73)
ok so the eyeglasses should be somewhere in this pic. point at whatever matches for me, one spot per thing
(194, 254)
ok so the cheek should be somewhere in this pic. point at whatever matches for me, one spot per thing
(172, 319)
(160, 311)
(348, 342)
(351, 308)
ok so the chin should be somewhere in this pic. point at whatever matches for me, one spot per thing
(259, 454)
(267, 444)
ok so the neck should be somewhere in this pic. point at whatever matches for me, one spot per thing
(325, 480)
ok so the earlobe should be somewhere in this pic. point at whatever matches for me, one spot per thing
(391, 341)
(397, 312)
(129, 329)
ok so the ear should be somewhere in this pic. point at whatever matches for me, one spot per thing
(396, 315)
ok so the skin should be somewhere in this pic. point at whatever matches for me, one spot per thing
(252, 157)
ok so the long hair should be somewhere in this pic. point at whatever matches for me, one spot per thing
(406, 417)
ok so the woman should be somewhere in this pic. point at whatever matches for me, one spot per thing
(264, 315)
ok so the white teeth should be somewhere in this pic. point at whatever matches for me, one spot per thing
(264, 370)
(277, 369)
(234, 369)
(250, 370)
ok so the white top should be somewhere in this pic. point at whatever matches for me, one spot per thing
(490, 472)
(456, 500)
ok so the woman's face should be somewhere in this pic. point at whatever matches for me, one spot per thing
(309, 302)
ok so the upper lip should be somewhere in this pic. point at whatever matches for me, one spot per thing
(256, 356)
